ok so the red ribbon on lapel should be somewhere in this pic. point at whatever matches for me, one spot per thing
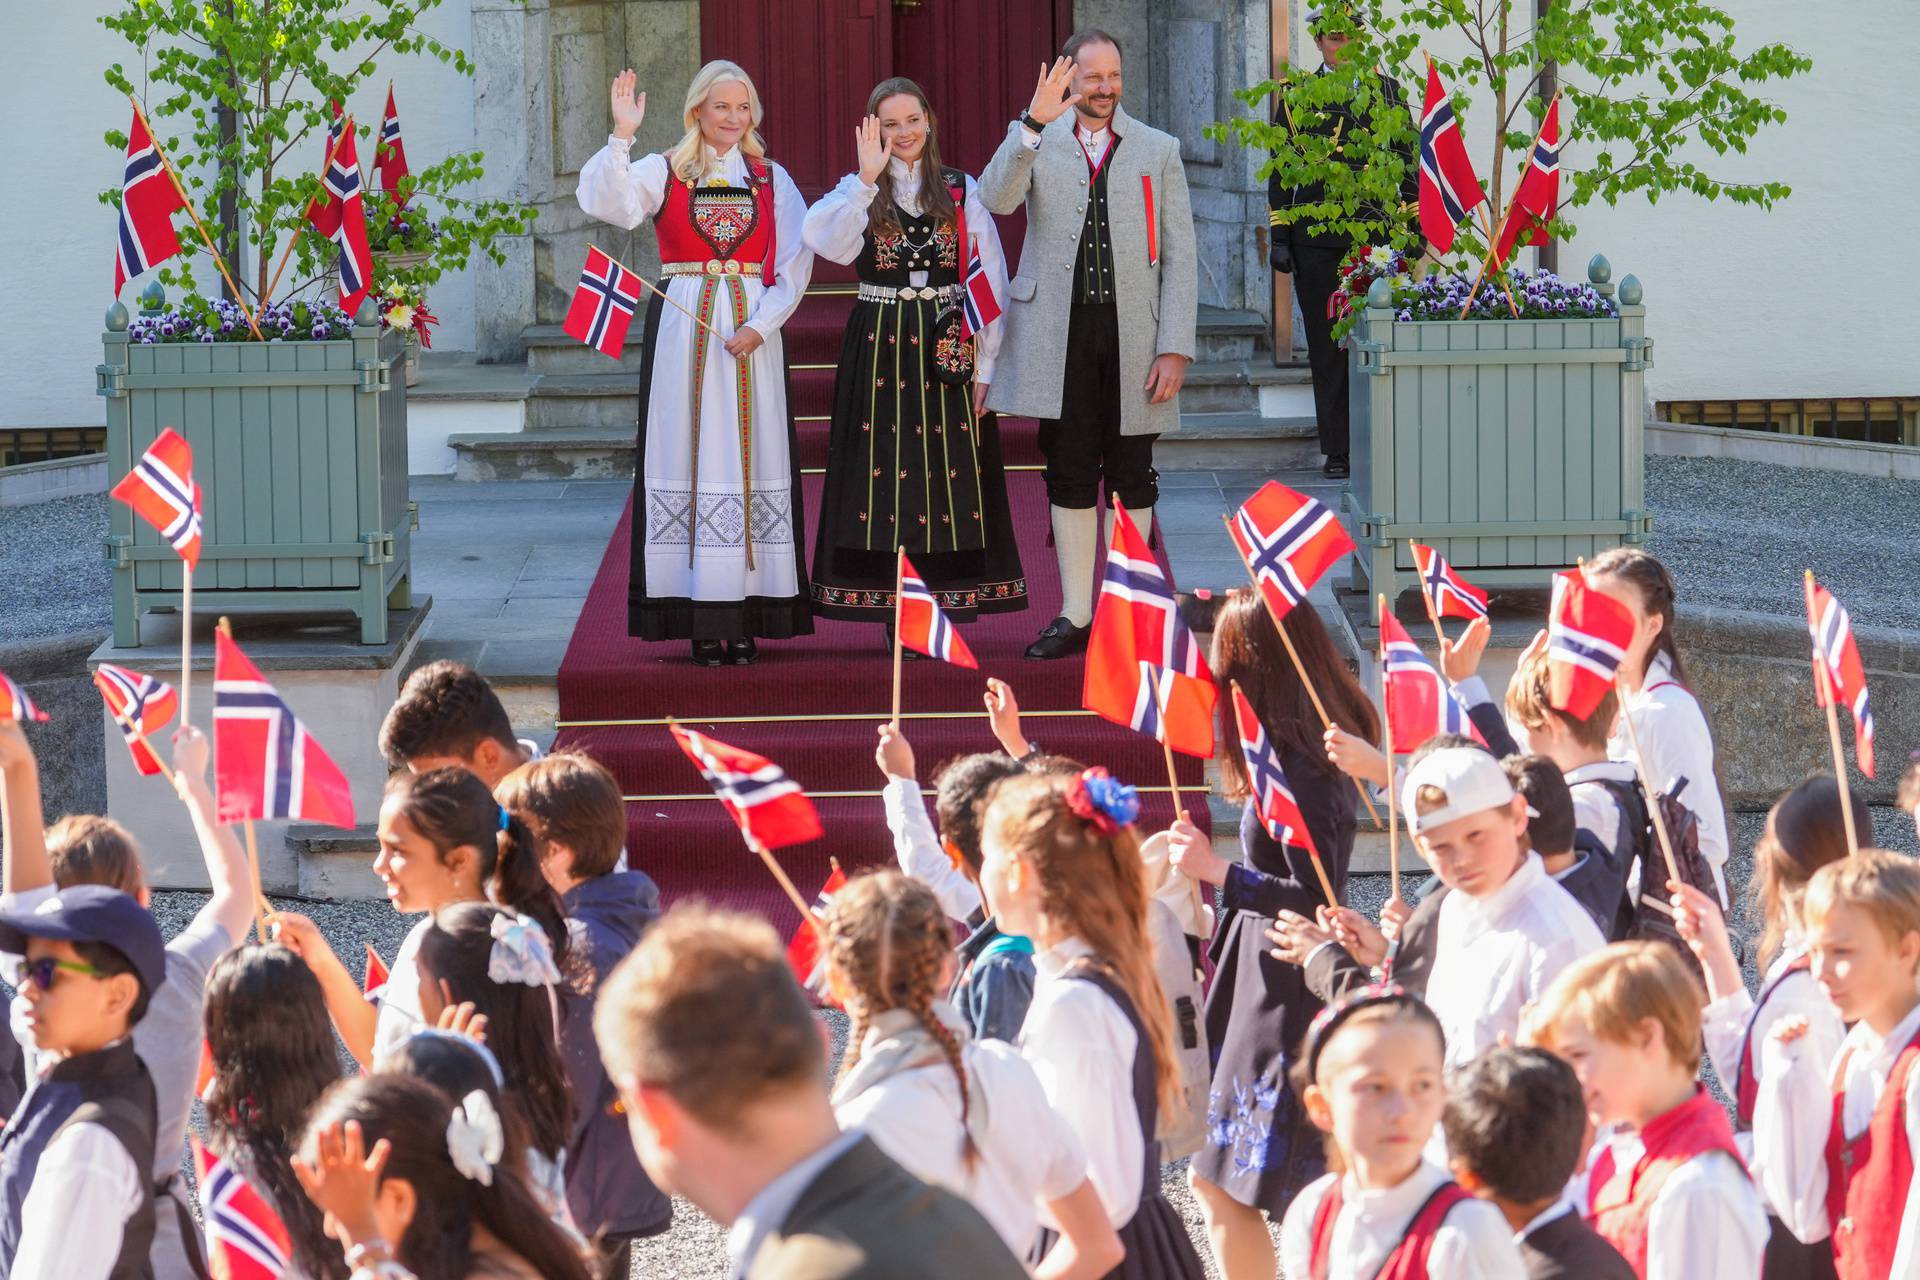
(1153, 236)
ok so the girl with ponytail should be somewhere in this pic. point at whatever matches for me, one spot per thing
(969, 1116)
(1061, 865)
(415, 1178)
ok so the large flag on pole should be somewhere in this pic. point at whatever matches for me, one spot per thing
(341, 216)
(140, 706)
(770, 807)
(149, 198)
(1137, 624)
(390, 153)
(1846, 676)
(266, 764)
(1289, 541)
(1449, 188)
(1538, 194)
(160, 487)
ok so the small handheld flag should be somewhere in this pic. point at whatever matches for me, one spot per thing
(1137, 624)
(1289, 542)
(16, 705)
(1273, 798)
(246, 1240)
(149, 198)
(770, 807)
(1420, 703)
(390, 153)
(266, 764)
(603, 304)
(1538, 195)
(1188, 703)
(1588, 633)
(1449, 188)
(141, 706)
(923, 627)
(161, 489)
(1834, 647)
(1448, 594)
(804, 951)
(374, 985)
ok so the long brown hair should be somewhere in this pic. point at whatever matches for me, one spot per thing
(886, 942)
(1247, 650)
(1805, 832)
(936, 200)
(1094, 886)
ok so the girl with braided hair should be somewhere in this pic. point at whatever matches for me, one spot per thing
(1062, 866)
(962, 1114)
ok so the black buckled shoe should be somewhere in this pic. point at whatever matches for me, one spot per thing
(1337, 467)
(742, 652)
(1061, 639)
(709, 653)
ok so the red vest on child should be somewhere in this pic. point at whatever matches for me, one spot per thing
(1746, 1087)
(1867, 1178)
(1408, 1261)
(1620, 1201)
(719, 231)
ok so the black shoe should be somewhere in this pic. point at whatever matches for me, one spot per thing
(1337, 467)
(906, 654)
(709, 653)
(742, 652)
(1061, 639)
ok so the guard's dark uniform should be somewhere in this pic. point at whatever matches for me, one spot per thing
(1316, 268)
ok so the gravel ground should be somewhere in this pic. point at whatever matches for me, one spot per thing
(56, 579)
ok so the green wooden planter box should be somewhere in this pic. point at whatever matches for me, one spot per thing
(300, 452)
(1513, 446)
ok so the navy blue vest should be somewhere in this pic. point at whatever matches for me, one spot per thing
(1093, 267)
(110, 1088)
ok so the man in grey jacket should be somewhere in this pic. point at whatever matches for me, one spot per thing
(1100, 315)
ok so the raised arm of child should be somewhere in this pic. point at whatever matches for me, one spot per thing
(1003, 714)
(918, 848)
(227, 870)
(354, 1017)
(22, 825)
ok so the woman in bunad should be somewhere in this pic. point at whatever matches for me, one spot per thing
(716, 513)
(913, 458)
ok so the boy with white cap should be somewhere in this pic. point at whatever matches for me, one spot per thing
(1486, 943)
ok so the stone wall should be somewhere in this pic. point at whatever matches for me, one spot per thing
(69, 746)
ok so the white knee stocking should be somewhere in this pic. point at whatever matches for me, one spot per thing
(1074, 530)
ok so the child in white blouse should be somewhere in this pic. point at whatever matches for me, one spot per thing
(1669, 1191)
(968, 1115)
(1781, 1104)
(1370, 1074)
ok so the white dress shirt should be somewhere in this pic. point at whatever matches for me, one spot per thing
(1081, 1045)
(1792, 1105)
(1474, 1241)
(1674, 736)
(75, 1214)
(1864, 1065)
(400, 1014)
(1093, 142)
(921, 855)
(1707, 1223)
(769, 1209)
(1026, 1154)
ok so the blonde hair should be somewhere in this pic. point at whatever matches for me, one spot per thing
(1617, 988)
(1884, 885)
(688, 159)
(1095, 887)
(86, 848)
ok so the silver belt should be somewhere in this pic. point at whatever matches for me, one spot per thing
(924, 293)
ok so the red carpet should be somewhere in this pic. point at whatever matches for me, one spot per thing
(811, 705)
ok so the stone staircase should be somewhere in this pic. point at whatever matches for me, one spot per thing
(1238, 409)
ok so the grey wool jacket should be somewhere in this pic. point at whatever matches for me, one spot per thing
(1157, 301)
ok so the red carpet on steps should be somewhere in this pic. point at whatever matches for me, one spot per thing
(811, 705)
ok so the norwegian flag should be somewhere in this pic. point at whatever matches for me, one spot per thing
(1189, 706)
(390, 153)
(603, 304)
(1138, 622)
(245, 1238)
(203, 1080)
(140, 705)
(341, 216)
(1846, 675)
(770, 807)
(1449, 188)
(16, 705)
(161, 489)
(1451, 595)
(978, 307)
(267, 765)
(922, 626)
(1538, 194)
(1273, 798)
(1588, 633)
(1289, 541)
(1420, 703)
(804, 951)
(374, 985)
(323, 211)
(149, 197)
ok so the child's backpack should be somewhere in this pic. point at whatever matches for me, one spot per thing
(1182, 1130)
(1649, 916)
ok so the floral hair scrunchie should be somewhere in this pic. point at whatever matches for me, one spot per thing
(1109, 805)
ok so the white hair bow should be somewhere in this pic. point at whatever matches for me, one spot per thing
(475, 1139)
(521, 952)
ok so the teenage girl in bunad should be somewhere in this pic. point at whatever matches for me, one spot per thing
(913, 460)
(1781, 1106)
(716, 509)
(1061, 866)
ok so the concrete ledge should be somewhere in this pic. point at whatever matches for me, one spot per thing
(35, 482)
(1684, 440)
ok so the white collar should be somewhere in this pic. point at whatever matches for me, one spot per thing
(904, 172)
(1091, 135)
(1608, 770)
(1532, 871)
(1385, 1204)
(1055, 959)
(1559, 1208)
(1881, 1053)
(766, 1212)
(721, 156)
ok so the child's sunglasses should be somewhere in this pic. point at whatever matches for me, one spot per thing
(41, 972)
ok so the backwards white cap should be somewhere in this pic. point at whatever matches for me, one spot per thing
(1471, 779)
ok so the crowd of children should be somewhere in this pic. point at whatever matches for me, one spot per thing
(1504, 1075)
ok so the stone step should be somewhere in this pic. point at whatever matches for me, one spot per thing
(336, 865)
(1239, 441)
(564, 453)
(551, 350)
(583, 401)
(1226, 334)
(1251, 385)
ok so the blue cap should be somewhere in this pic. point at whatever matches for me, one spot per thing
(93, 913)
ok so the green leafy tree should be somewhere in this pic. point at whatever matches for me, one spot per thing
(1651, 91)
(253, 81)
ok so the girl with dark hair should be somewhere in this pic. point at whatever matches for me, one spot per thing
(500, 963)
(1261, 1147)
(273, 1056)
(969, 1116)
(1062, 866)
(414, 1178)
(443, 840)
(1780, 1113)
(913, 459)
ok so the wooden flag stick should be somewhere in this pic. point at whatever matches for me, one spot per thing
(1326, 721)
(1652, 787)
(333, 147)
(1173, 789)
(1439, 635)
(780, 874)
(186, 640)
(899, 585)
(1386, 740)
(1486, 220)
(1823, 682)
(129, 726)
(259, 897)
(664, 296)
(193, 213)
